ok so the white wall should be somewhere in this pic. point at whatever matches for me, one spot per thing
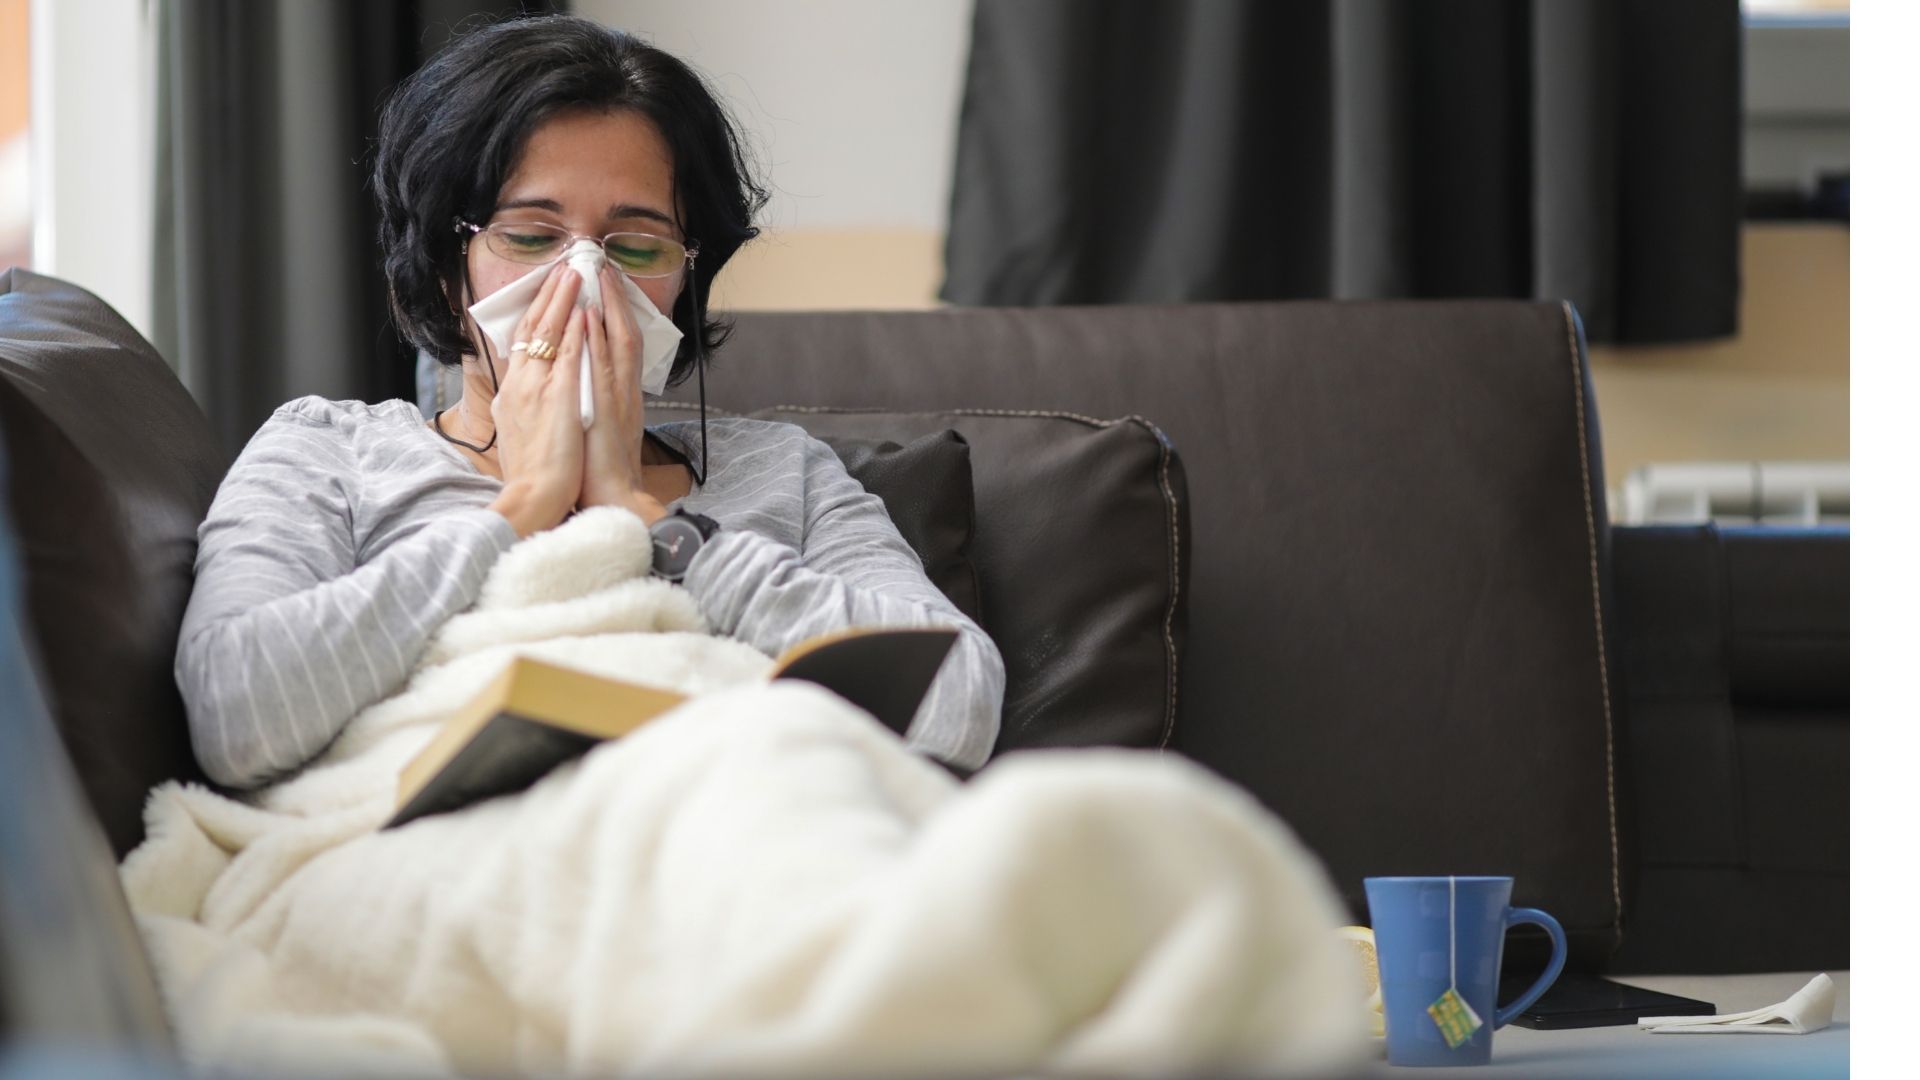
(851, 105)
(92, 134)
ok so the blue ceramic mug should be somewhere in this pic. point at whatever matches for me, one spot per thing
(1432, 933)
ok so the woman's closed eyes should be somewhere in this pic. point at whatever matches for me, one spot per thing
(637, 254)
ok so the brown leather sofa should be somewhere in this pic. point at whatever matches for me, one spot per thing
(1355, 558)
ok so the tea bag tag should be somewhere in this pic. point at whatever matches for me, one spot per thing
(1456, 1019)
(1451, 1014)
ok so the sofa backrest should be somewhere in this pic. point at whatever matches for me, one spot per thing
(115, 467)
(1395, 621)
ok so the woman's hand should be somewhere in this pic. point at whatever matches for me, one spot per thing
(536, 412)
(613, 474)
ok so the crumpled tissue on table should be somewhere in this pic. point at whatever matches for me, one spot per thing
(1809, 1010)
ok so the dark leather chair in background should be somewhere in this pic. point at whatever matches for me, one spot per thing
(1407, 627)
(1735, 645)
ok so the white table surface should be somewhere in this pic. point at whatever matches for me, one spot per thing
(1629, 1052)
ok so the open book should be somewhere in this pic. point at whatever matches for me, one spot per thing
(536, 715)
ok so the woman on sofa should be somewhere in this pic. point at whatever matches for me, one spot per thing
(761, 881)
(347, 532)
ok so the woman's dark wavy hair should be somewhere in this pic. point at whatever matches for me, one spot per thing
(451, 133)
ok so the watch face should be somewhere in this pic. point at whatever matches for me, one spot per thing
(675, 540)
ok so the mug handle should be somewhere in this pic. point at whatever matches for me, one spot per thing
(1516, 916)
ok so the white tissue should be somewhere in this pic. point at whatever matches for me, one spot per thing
(1809, 1010)
(499, 314)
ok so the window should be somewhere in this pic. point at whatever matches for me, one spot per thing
(1797, 122)
(1765, 10)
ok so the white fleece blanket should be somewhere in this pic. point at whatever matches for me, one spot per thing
(764, 882)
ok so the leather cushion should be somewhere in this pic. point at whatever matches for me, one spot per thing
(927, 486)
(116, 469)
(1788, 615)
(1081, 552)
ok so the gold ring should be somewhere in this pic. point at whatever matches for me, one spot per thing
(542, 349)
(518, 346)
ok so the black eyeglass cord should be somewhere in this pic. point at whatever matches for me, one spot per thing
(700, 369)
(463, 442)
(486, 347)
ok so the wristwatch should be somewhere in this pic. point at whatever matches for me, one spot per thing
(677, 538)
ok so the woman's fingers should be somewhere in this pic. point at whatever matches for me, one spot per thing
(525, 328)
(550, 325)
(566, 366)
(623, 358)
(620, 329)
(552, 322)
(540, 298)
(602, 357)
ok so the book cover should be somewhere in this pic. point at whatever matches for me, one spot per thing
(536, 715)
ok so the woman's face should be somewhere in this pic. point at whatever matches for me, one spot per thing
(591, 173)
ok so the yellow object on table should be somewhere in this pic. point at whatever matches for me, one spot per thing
(1368, 960)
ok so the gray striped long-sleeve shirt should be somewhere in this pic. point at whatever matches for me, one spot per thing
(346, 533)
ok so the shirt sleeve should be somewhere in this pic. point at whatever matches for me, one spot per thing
(854, 570)
(285, 638)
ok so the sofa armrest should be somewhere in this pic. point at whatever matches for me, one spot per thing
(72, 970)
(1734, 644)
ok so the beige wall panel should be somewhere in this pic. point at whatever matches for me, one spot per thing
(807, 270)
(1776, 392)
(1668, 416)
(1793, 309)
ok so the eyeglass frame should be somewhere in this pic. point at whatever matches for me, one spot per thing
(692, 248)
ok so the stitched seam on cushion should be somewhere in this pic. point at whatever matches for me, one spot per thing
(1166, 491)
(1599, 626)
(1173, 577)
(1041, 414)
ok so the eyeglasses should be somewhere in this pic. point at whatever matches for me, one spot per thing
(636, 254)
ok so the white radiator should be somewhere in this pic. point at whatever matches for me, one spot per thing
(1736, 493)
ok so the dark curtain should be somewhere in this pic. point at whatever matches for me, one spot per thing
(1167, 150)
(267, 284)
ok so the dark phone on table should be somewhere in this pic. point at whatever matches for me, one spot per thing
(1582, 1001)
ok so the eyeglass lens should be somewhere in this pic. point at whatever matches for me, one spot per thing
(639, 254)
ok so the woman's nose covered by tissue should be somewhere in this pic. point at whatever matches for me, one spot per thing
(499, 314)
(587, 258)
